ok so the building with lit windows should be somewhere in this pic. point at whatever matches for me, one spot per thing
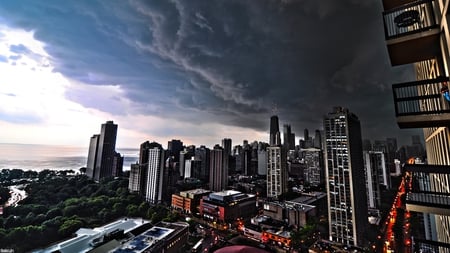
(417, 33)
(347, 199)
(226, 207)
(377, 176)
(188, 201)
(276, 162)
(218, 175)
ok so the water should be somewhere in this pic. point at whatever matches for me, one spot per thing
(41, 157)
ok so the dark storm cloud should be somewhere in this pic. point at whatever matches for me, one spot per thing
(225, 61)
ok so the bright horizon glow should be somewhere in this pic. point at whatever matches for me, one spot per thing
(33, 101)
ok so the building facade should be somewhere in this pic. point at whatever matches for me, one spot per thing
(347, 203)
(218, 175)
(226, 207)
(276, 162)
(103, 160)
(188, 201)
(424, 43)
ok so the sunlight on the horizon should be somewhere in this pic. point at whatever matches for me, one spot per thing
(39, 105)
(33, 107)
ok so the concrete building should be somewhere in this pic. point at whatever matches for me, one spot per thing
(377, 176)
(292, 212)
(347, 203)
(189, 201)
(314, 172)
(126, 236)
(226, 207)
(424, 42)
(103, 160)
(218, 175)
(276, 162)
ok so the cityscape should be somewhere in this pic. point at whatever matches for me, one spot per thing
(347, 182)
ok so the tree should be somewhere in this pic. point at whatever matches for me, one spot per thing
(4, 195)
(70, 226)
(132, 210)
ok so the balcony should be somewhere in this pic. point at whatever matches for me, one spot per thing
(411, 30)
(422, 104)
(420, 196)
(422, 245)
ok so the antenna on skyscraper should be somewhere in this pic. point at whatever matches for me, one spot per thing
(274, 109)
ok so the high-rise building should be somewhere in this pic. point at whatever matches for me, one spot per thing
(347, 204)
(92, 156)
(276, 163)
(103, 160)
(288, 138)
(377, 174)
(313, 170)
(218, 175)
(262, 159)
(318, 140)
(226, 144)
(138, 178)
(416, 33)
(154, 193)
(174, 147)
(274, 139)
(203, 154)
(154, 176)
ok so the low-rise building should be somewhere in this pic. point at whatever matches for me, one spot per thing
(126, 236)
(252, 231)
(280, 238)
(188, 201)
(226, 207)
(293, 213)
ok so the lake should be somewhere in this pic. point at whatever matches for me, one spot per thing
(39, 157)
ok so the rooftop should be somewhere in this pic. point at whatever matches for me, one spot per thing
(85, 236)
(144, 241)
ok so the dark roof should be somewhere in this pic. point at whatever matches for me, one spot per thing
(240, 249)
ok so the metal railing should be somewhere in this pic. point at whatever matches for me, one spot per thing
(420, 97)
(419, 185)
(409, 19)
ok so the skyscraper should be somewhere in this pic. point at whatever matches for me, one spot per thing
(424, 42)
(274, 138)
(347, 203)
(103, 160)
(92, 155)
(174, 147)
(203, 153)
(148, 177)
(226, 144)
(377, 174)
(155, 177)
(288, 138)
(218, 175)
(276, 162)
(318, 140)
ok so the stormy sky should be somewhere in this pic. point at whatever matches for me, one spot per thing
(195, 70)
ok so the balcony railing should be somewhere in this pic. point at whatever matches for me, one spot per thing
(410, 18)
(421, 104)
(422, 245)
(421, 193)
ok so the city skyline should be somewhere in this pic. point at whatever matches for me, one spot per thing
(194, 71)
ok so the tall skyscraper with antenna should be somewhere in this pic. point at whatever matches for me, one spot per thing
(276, 162)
